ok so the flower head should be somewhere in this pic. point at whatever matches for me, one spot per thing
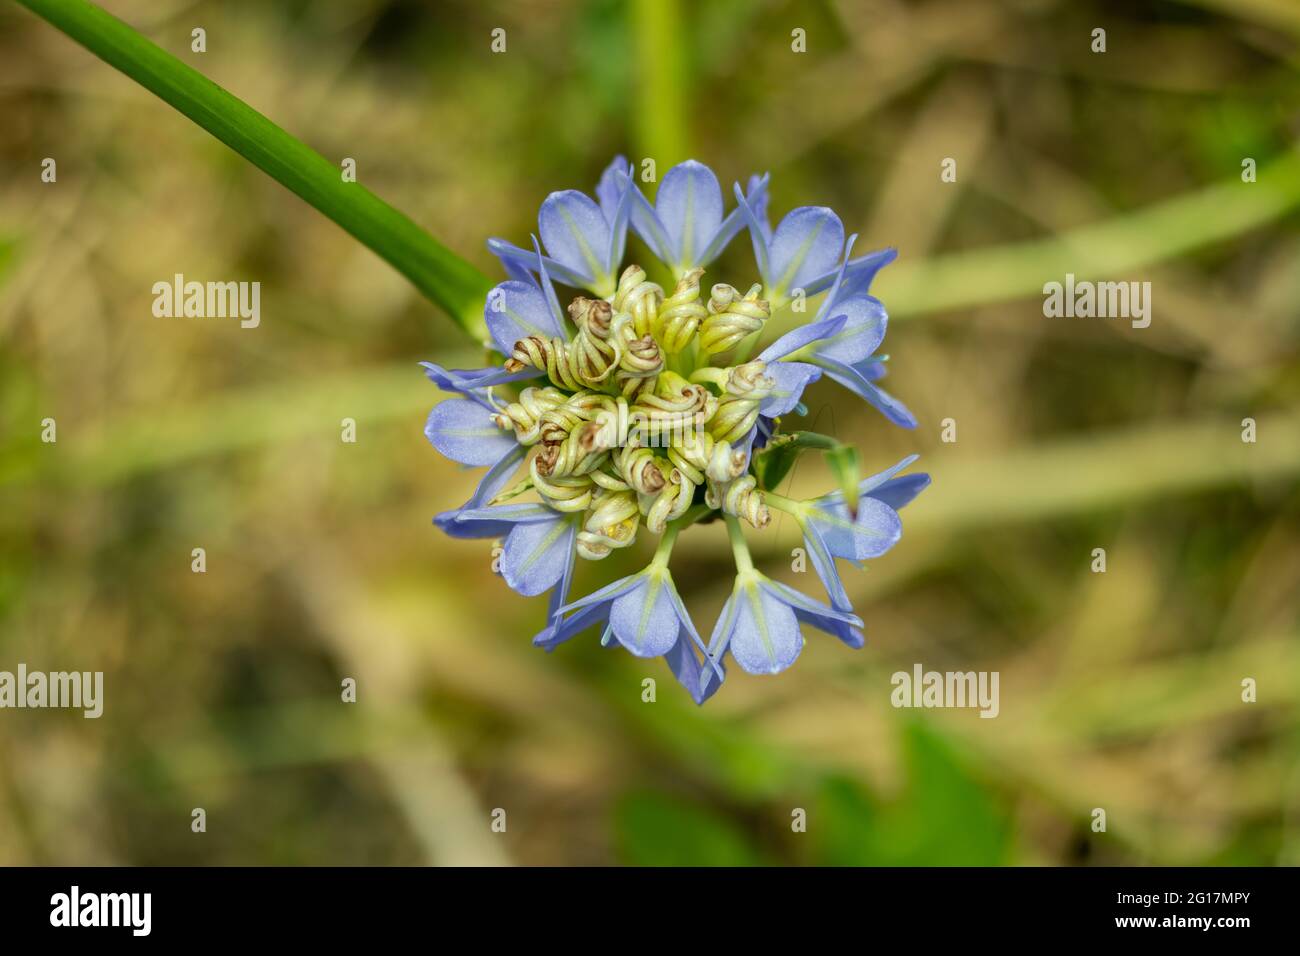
(639, 408)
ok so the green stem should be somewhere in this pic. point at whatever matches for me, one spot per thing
(441, 275)
(660, 89)
(666, 542)
(782, 503)
(739, 549)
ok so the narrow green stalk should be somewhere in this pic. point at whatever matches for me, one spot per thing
(782, 503)
(739, 549)
(659, 42)
(665, 548)
(441, 275)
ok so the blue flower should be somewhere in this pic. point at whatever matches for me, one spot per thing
(550, 423)
(803, 250)
(830, 532)
(584, 239)
(644, 614)
(760, 624)
(522, 307)
(463, 430)
(842, 340)
(685, 227)
(537, 555)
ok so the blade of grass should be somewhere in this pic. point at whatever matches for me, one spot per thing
(168, 437)
(1105, 250)
(446, 279)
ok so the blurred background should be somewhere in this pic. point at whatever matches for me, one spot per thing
(1119, 691)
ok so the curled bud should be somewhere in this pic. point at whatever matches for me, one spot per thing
(639, 299)
(734, 419)
(640, 469)
(671, 504)
(681, 313)
(611, 523)
(526, 414)
(726, 463)
(740, 498)
(549, 355)
(570, 493)
(731, 318)
(749, 381)
(592, 316)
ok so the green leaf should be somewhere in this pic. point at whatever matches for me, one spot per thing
(843, 462)
(945, 817)
(441, 275)
(654, 829)
(774, 461)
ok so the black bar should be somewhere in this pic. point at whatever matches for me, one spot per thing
(334, 905)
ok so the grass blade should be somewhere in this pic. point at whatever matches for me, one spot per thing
(446, 279)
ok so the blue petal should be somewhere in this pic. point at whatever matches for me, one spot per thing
(874, 531)
(689, 204)
(559, 596)
(463, 431)
(796, 339)
(618, 224)
(806, 244)
(757, 197)
(515, 310)
(609, 191)
(494, 522)
(462, 382)
(512, 262)
(900, 491)
(842, 624)
(605, 595)
(824, 564)
(644, 619)
(548, 289)
(862, 270)
(686, 668)
(736, 221)
(856, 382)
(872, 482)
(791, 379)
(868, 485)
(766, 638)
(494, 481)
(575, 234)
(537, 553)
(570, 627)
(858, 273)
(648, 225)
(760, 234)
(522, 264)
(828, 303)
(865, 321)
(685, 618)
(471, 382)
(873, 369)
